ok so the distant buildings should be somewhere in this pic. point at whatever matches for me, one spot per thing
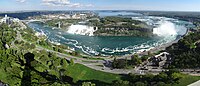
(15, 22)
(68, 16)
(6, 20)
(9, 20)
(56, 16)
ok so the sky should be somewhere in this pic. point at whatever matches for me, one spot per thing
(155, 5)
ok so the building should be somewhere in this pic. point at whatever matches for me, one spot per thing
(9, 20)
(160, 59)
(6, 20)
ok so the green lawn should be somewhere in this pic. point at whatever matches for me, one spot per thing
(187, 79)
(81, 72)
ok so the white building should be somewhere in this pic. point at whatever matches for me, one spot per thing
(6, 20)
(9, 20)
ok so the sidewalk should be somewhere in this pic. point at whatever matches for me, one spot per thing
(197, 83)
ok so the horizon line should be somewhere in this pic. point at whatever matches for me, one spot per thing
(97, 10)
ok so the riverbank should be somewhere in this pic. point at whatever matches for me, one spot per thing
(164, 46)
(151, 50)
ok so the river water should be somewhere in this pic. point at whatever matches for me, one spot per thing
(167, 30)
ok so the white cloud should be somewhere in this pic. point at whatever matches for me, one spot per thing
(21, 1)
(89, 5)
(63, 3)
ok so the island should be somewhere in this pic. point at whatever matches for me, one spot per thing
(106, 26)
(119, 26)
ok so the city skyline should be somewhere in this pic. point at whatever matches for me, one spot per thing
(155, 5)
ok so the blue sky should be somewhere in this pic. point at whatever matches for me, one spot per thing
(162, 5)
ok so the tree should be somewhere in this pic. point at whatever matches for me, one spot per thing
(61, 50)
(162, 77)
(44, 58)
(71, 61)
(32, 46)
(160, 84)
(135, 60)
(64, 63)
(140, 84)
(21, 68)
(114, 63)
(88, 84)
(119, 63)
(50, 54)
(120, 83)
(144, 58)
(55, 48)
(176, 77)
(75, 53)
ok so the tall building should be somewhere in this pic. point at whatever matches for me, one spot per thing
(9, 20)
(6, 16)
(6, 20)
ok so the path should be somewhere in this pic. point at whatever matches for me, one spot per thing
(197, 83)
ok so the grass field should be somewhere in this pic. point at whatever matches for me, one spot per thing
(187, 79)
(81, 72)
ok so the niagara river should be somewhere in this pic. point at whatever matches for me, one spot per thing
(81, 38)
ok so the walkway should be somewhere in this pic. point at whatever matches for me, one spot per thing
(197, 83)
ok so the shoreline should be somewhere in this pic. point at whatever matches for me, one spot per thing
(145, 52)
(140, 53)
(164, 46)
(151, 50)
(161, 47)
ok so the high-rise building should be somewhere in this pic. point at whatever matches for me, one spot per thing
(6, 20)
(6, 16)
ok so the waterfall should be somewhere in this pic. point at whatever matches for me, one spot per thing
(81, 30)
(165, 28)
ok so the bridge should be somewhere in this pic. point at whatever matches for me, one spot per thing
(35, 20)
